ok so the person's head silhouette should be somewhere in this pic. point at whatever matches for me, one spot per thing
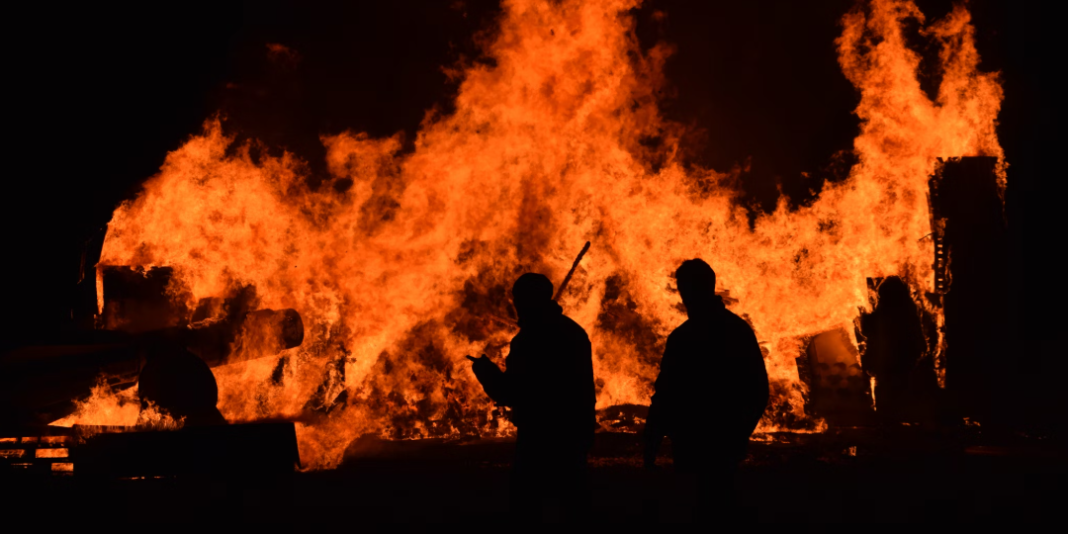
(894, 292)
(532, 295)
(697, 286)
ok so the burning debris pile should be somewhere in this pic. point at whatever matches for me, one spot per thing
(148, 341)
(400, 266)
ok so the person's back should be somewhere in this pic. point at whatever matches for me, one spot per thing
(895, 347)
(551, 368)
(713, 387)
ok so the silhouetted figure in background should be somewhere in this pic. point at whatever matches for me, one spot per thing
(548, 383)
(905, 381)
(180, 384)
(712, 388)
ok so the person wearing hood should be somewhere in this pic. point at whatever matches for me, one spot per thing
(548, 384)
(712, 389)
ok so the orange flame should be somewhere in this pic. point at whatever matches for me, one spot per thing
(107, 407)
(406, 271)
(104, 406)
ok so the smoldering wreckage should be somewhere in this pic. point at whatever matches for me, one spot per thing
(240, 327)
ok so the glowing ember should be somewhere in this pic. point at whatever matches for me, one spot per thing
(401, 274)
(51, 453)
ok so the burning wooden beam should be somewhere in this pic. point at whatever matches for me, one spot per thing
(567, 279)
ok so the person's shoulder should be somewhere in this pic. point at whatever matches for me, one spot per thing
(737, 323)
(571, 326)
(522, 338)
(687, 328)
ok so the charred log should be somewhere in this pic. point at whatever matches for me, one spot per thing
(255, 335)
(138, 300)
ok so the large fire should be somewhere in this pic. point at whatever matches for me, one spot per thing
(401, 266)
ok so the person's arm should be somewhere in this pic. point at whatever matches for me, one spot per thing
(655, 428)
(919, 340)
(757, 375)
(494, 381)
(653, 437)
(587, 377)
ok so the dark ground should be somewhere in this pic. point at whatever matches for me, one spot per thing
(905, 474)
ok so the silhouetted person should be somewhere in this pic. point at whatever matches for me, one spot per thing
(905, 381)
(180, 384)
(548, 383)
(712, 388)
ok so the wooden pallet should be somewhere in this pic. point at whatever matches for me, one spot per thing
(37, 453)
(244, 450)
